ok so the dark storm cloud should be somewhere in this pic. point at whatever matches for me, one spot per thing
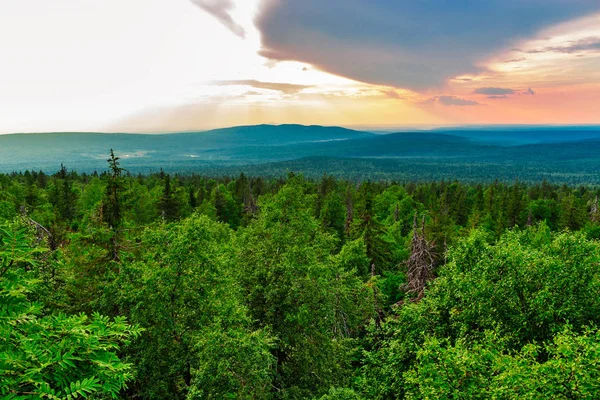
(220, 10)
(409, 44)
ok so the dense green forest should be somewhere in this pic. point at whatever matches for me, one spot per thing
(165, 286)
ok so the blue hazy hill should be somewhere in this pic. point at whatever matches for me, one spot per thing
(522, 135)
(88, 151)
(527, 153)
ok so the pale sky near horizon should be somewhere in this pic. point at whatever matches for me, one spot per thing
(171, 65)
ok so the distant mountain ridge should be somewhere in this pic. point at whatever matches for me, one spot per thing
(514, 153)
(514, 136)
(86, 151)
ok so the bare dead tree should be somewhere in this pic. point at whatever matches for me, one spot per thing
(41, 232)
(396, 213)
(529, 218)
(421, 262)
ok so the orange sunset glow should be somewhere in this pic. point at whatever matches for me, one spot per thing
(192, 65)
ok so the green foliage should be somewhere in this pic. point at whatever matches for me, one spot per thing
(309, 300)
(53, 356)
(564, 368)
(289, 288)
(378, 246)
(353, 258)
(232, 363)
(333, 214)
(62, 195)
(519, 292)
(527, 285)
(390, 285)
(226, 208)
(168, 204)
(183, 293)
(341, 394)
(112, 204)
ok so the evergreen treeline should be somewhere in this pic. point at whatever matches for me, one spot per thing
(188, 287)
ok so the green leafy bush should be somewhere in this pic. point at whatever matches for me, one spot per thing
(52, 356)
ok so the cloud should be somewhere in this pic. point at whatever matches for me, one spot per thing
(501, 93)
(590, 44)
(286, 88)
(450, 101)
(220, 9)
(494, 91)
(515, 60)
(456, 101)
(392, 94)
(406, 44)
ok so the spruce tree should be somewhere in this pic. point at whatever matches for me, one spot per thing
(63, 197)
(112, 214)
(168, 205)
(112, 204)
(193, 200)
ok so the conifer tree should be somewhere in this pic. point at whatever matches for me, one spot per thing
(220, 204)
(168, 205)
(63, 196)
(193, 200)
(349, 212)
(373, 234)
(112, 203)
(112, 214)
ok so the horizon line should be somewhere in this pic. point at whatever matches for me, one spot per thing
(358, 127)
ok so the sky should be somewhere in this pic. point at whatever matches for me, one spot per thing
(178, 65)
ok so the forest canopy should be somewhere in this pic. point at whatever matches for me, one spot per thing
(191, 287)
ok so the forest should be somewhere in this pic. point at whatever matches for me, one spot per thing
(183, 286)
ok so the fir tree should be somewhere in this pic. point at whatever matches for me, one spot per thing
(193, 200)
(168, 205)
(112, 204)
(112, 214)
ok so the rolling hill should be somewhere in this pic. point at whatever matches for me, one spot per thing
(560, 154)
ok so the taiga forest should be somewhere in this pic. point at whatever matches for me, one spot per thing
(188, 287)
(299, 199)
